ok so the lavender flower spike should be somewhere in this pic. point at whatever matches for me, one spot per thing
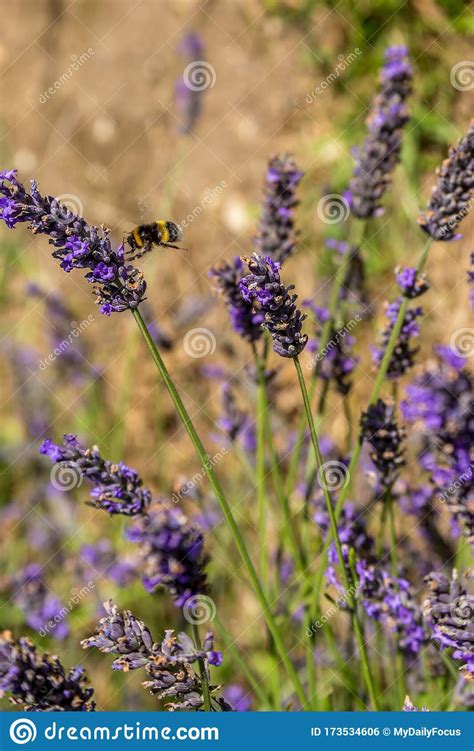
(276, 236)
(168, 665)
(243, 318)
(403, 355)
(118, 286)
(380, 152)
(268, 295)
(116, 488)
(379, 428)
(451, 197)
(448, 611)
(38, 682)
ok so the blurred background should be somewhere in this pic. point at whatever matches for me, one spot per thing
(93, 107)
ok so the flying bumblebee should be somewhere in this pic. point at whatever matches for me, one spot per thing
(144, 236)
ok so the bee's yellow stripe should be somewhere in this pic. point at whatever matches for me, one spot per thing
(137, 238)
(165, 235)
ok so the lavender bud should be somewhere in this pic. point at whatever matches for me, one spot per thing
(243, 318)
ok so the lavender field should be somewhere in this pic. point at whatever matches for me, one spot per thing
(236, 292)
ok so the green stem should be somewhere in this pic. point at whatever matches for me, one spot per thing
(231, 647)
(202, 671)
(382, 372)
(225, 508)
(260, 473)
(356, 237)
(348, 584)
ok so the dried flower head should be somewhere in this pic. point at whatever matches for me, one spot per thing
(38, 682)
(451, 197)
(269, 296)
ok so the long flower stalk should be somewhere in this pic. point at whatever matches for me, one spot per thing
(382, 371)
(224, 505)
(349, 586)
(261, 475)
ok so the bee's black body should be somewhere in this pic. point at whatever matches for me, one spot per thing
(144, 236)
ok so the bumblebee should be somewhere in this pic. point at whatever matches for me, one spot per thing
(144, 236)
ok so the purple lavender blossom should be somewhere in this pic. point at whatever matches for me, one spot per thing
(238, 697)
(172, 552)
(380, 152)
(232, 421)
(101, 560)
(276, 235)
(451, 196)
(38, 682)
(244, 320)
(169, 664)
(269, 296)
(448, 611)
(42, 609)
(410, 283)
(441, 401)
(408, 706)
(379, 428)
(116, 488)
(403, 353)
(188, 99)
(118, 286)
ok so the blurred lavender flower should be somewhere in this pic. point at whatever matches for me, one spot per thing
(449, 615)
(238, 698)
(103, 561)
(450, 200)
(408, 706)
(232, 420)
(33, 402)
(269, 296)
(172, 552)
(410, 283)
(379, 428)
(441, 400)
(188, 99)
(336, 361)
(470, 279)
(116, 488)
(391, 602)
(380, 152)
(38, 682)
(118, 286)
(403, 354)
(276, 236)
(168, 665)
(245, 321)
(38, 604)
